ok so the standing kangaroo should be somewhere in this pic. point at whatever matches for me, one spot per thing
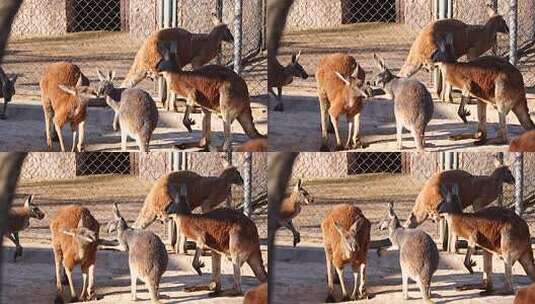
(418, 254)
(498, 231)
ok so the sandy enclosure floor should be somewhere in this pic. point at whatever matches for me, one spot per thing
(24, 128)
(298, 127)
(299, 272)
(35, 271)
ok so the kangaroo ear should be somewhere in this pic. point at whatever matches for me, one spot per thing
(356, 71)
(101, 76)
(111, 75)
(379, 62)
(67, 89)
(298, 56)
(491, 11)
(225, 162)
(116, 211)
(28, 201)
(215, 20)
(14, 79)
(339, 228)
(390, 208)
(299, 184)
(346, 82)
(80, 81)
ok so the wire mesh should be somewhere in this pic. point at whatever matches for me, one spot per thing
(94, 163)
(370, 180)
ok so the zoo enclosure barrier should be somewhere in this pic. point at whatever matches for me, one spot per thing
(369, 180)
(107, 34)
(362, 27)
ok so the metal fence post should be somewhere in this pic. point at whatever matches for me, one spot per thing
(229, 198)
(247, 183)
(513, 30)
(219, 15)
(168, 18)
(519, 183)
(499, 157)
(443, 11)
(238, 5)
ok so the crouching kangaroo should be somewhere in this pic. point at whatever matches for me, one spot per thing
(147, 256)
(498, 231)
(223, 231)
(418, 254)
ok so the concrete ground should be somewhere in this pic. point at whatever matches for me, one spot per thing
(24, 129)
(300, 277)
(32, 278)
(298, 127)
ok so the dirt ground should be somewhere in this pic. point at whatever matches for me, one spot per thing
(24, 128)
(370, 192)
(298, 127)
(35, 271)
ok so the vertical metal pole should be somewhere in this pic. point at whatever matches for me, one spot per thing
(519, 183)
(183, 161)
(229, 198)
(238, 4)
(219, 15)
(494, 4)
(499, 157)
(177, 160)
(513, 30)
(442, 13)
(247, 183)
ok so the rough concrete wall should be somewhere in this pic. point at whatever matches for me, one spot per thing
(40, 18)
(320, 165)
(153, 165)
(310, 14)
(143, 18)
(418, 13)
(423, 165)
(40, 166)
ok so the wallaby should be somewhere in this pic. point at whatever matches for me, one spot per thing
(18, 219)
(280, 76)
(413, 104)
(346, 238)
(225, 232)
(7, 91)
(137, 111)
(291, 207)
(147, 256)
(418, 254)
(497, 230)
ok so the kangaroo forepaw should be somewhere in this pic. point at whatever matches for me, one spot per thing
(188, 122)
(198, 267)
(469, 266)
(463, 113)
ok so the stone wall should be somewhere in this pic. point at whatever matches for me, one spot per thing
(40, 166)
(143, 18)
(40, 18)
(313, 165)
(314, 14)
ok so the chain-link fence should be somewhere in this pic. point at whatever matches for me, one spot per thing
(370, 180)
(107, 34)
(363, 27)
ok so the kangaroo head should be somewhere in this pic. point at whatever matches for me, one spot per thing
(413, 221)
(296, 69)
(385, 75)
(180, 204)
(232, 175)
(504, 174)
(118, 223)
(496, 21)
(354, 88)
(84, 94)
(169, 61)
(33, 210)
(105, 86)
(451, 202)
(349, 237)
(303, 195)
(221, 30)
(83, 235)
(8, 88)
(391, 221)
